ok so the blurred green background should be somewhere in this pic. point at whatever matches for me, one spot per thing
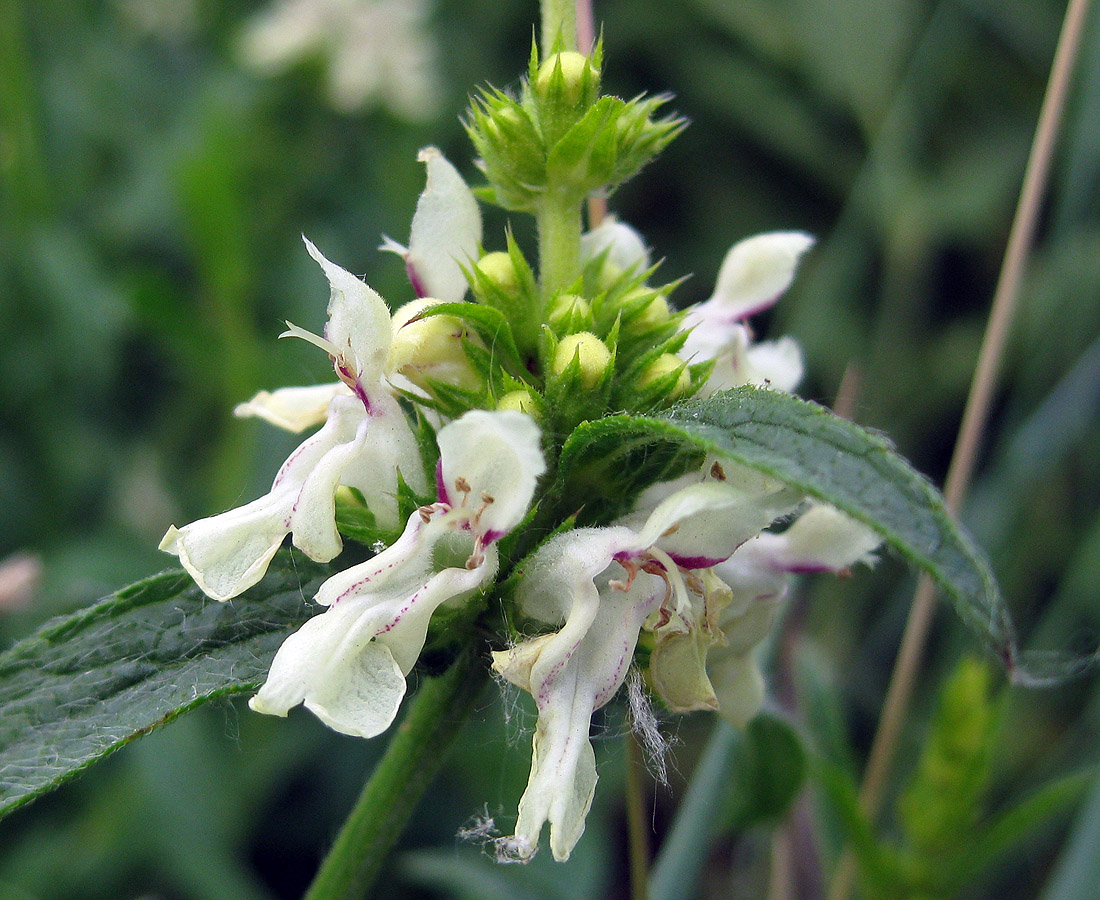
(155, 185)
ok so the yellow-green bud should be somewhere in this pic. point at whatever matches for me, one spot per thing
(652, 314)
(662, 367)
(566, 306)
(518, 401)
(346, 496)
(591, 353)
(431, 347)
(576, 70)
(498, 269)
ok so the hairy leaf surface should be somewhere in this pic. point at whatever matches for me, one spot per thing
(86, 684)
(826, 457)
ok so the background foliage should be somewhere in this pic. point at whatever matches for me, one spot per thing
(153, 193)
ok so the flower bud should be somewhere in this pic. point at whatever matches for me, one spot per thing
(577, 82)
(518, 401)
(651, 315)
(498, 269)
(591, 354)
(568, 312)
(431, 347)
(511, 149)
(662, 368)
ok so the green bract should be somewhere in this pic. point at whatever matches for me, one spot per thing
(560, 137)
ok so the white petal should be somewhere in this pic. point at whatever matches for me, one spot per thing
(703, 524)
(822, 539)
(825, 538)
(389, 447)
(332, 665)
(348, 664)
(774, 364)
(575, 673)
(292, 408)
(228, 553)
(756, 271)
(739, 685)
(312, 519)
(756, 592)
(358, 320)
(446, 231)
(404, 584)
(491, 460)
(625, 248)
(280, 34)
(567, 566)
(710, 337)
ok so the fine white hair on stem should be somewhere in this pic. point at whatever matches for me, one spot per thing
(516, 718)
(480, 829)
(654, 745)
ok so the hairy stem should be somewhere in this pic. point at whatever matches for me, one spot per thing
(560, 226)
(903, 678)
(559, 19)
(414, 756)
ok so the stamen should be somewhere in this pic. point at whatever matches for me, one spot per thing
(674, 578)
(478, 556)
(631, 573)
(486, 500)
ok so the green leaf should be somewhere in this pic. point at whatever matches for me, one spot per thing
(1014, 826)
(767, 773)
(1077, 871)
(860, 473)
(822, 455)
(879, 864)
(615, 458)
(87, 684)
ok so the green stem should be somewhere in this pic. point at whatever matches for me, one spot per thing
(414, 756)
(559, 19)
(22, 170)
(637, 826)
(560, 225)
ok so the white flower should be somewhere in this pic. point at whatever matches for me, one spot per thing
(348, 665)
(625, 248)
(822, 539)
(606, 584)
(365, 440)
(377, 51)
(754, 274)
(445, 233)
